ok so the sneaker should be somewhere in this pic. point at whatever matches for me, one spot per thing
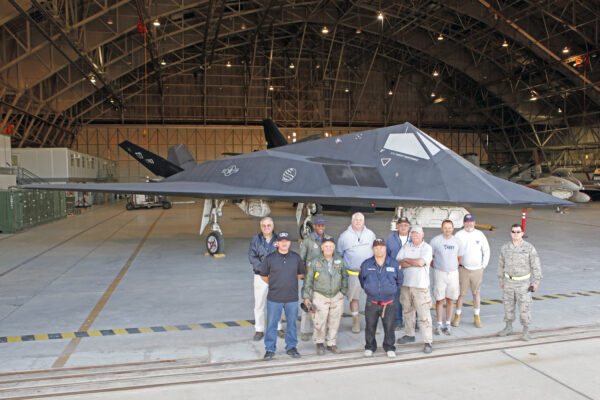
(269, 355)
(406, 339)
(258, 336)
(456, 320)
(320, 349)
(368, 353)
(477, 322)
(446, 330)
(334, 349)
(391, 354)
(427, 349)
(304, 337)
(281, 333)
(293, 352)
(437, 330)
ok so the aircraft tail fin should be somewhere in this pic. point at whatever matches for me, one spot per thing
(181, 156)
(155, 163)
(273, 136)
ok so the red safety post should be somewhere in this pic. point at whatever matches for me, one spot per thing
(524, 219)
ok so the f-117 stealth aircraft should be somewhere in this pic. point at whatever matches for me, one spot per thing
(391, 167)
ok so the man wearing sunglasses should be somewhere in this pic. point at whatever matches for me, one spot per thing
(520, 272)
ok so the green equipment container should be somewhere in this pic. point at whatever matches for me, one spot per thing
(11, 211)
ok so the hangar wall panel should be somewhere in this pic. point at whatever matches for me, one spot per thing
(210, 142)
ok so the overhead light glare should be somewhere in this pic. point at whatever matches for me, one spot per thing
(439, 100)
(380, 16)
(228, 64)
(318, 66)
(243, 26)
(505, 43)
(93, 79)
(432, 94)
(358, 31)
(565, 50)
(390, 92)
(326, 134)
(441, 37)
(559, 110)
(533, 97)
(163, 62)
(110, 21)
(292, 66)
(271, 88)
(346, 90)
(435, 73)
(325, 30)
(156, 22)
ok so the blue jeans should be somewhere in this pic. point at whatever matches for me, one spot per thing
(273, 316)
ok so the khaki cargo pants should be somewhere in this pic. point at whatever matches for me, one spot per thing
(515, 292)
(327, 317)
(419, 300)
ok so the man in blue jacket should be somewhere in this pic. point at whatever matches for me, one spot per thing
(261, 245)
(393, 244)
(380, 277)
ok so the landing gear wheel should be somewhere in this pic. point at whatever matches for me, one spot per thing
(129, 206)
(215, 243)
(306, 229)
(166, 205)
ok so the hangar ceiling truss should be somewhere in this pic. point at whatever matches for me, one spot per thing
(523, 72)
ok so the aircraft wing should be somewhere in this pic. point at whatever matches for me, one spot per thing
(379, 168)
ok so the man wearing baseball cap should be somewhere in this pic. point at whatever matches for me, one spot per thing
(415, 259)
(311, 248)
(394, 243)
(281, 271)
(476, 255)
(380, 277)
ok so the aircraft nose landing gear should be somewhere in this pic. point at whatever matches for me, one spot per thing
(215, 242)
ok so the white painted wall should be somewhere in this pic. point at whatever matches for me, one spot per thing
(60, 164)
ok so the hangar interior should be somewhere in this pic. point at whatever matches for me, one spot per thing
(512, 82)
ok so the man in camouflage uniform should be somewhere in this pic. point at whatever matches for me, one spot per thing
(325, 284)
(311, 248)
(519, 269)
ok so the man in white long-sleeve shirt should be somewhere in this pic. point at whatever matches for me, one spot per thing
(475, 258)
(355, 245)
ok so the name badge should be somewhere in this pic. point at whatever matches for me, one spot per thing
(390, 269)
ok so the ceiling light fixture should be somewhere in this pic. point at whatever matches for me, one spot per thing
(346, 90)
(358, 31)
(93, 79)
(326, 134)
(380, 16)
(292, 66)
(505, 43)
(559, 110)
(163, 62)
(325, 30)
(441, 37)
(432, 94)
(228, 64)
(110, 21)
(565, 50)
(156, 22)
(390, 92)
(271, 88)
(439, 100)
(435, 73)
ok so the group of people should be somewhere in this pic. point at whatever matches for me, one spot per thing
(393, 273)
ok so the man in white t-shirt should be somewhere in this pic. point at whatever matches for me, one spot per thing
(414, 258)
(476, 256)
(447, 255)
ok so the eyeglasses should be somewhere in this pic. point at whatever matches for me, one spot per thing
(516, 231)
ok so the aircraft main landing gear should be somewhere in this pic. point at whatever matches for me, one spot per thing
(306, 210)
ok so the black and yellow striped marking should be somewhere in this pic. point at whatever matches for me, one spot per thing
(226, 324)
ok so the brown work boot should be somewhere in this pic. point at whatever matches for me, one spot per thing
(456, 320)
(320, 349)
(355, 324)
(477, 322)
(334, 349)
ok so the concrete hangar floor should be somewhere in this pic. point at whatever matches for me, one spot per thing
(125, 304)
